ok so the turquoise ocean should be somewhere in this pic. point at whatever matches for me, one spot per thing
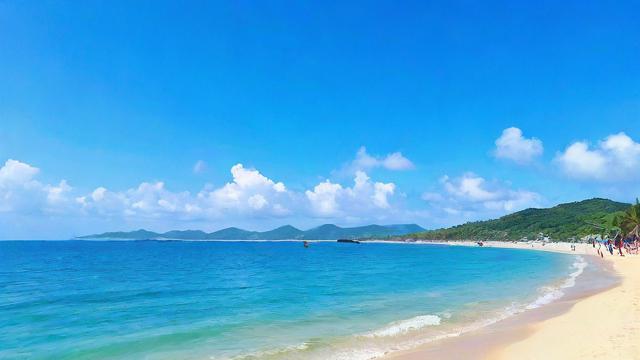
(259, 300)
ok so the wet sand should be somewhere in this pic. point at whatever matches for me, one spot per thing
(601, 312)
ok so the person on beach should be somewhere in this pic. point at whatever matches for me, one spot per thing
(610, 246)
(599, 248)
(627, 245)
(618, 243)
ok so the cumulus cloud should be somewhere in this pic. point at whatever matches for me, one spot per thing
(57, 193)
(469, 187)
(329, 199)
(199, 167)
(21, 192)
(513, 146)
(148, 200)
(394, 161)
(323, 198)
(16, 173)
(614, 159)
(249, 193)
(474, 197)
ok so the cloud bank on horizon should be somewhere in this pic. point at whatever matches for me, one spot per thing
(250, 195)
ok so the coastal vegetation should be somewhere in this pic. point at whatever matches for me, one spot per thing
(564, 222)
(629, 221)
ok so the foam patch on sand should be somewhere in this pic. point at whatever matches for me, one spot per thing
(404, 326)
(554, 293)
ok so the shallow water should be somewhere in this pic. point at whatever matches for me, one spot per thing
(211, 300)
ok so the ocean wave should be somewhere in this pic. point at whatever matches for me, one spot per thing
(401, 335)
(269, 352)
(358, 354)
(551, 294)
(404, 326)
(378, 350)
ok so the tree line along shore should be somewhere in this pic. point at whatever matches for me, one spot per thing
(573, 222)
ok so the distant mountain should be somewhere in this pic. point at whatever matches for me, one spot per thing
(231, 233)
(287, 232)
(119, 235)
(326, 231)
(282, 233)
(330, 231)
(185, 234)
(405, 228)
(559, 223)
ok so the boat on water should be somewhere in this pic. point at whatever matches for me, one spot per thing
(348, 241)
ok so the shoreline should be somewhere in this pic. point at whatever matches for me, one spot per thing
(542, 333)
(603, 326)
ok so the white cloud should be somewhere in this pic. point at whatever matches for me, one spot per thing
(148, 200)
(511, 145)
(580, 162)
(257, 201)
(394, 161)
(22, 193)
(16, 173)
(469, 187)
(472, 197)
(199, 167)
(323, 198)
(250, 193)
(381, 194)
(98, 194)
(247, 198)
(364, 198)
(57, 193)
(615, 159)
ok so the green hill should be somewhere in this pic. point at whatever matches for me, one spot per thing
(185, 234)
(231, 233)
(120, 235)
(560, 222)
(286, 232)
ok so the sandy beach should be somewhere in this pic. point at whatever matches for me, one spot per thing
(604, 325)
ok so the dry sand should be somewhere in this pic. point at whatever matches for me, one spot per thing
(605, 325)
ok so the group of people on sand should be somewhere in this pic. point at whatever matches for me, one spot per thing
(630, 244)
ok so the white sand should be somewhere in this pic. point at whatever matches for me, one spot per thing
(603, 326)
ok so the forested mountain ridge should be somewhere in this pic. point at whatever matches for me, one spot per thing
(287, 232)
(561, 222)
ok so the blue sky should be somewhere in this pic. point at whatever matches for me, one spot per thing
(409, 99)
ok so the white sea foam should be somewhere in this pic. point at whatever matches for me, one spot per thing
(404, 326)
(551, 294)
(376, 349)
(269, 352)
(358, 354)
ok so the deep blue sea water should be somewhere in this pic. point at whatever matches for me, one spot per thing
(257, 300)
